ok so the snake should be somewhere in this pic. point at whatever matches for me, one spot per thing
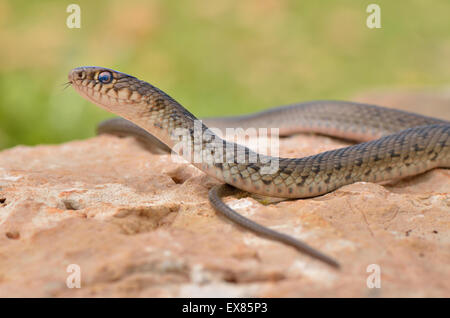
(392, 143)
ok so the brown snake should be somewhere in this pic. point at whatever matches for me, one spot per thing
(402, 144)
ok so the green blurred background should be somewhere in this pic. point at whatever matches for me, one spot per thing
(215, 57)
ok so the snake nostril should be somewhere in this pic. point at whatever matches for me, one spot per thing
(76, 75)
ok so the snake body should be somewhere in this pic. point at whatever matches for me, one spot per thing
(397, 143)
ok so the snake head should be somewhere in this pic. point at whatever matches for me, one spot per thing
(112, 90)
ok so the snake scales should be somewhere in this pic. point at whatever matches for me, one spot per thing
(396, 143)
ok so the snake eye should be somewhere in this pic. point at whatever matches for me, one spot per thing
(105, 77)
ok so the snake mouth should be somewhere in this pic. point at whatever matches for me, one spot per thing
(111, 90)
(85, 81)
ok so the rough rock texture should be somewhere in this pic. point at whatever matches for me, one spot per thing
(140, 225)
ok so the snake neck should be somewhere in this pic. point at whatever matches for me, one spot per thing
(190, 138)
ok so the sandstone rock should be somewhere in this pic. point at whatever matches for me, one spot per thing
(138, 224)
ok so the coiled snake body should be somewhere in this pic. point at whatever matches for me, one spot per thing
(397, 143)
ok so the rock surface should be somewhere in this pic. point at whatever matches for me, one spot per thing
(140, 225)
